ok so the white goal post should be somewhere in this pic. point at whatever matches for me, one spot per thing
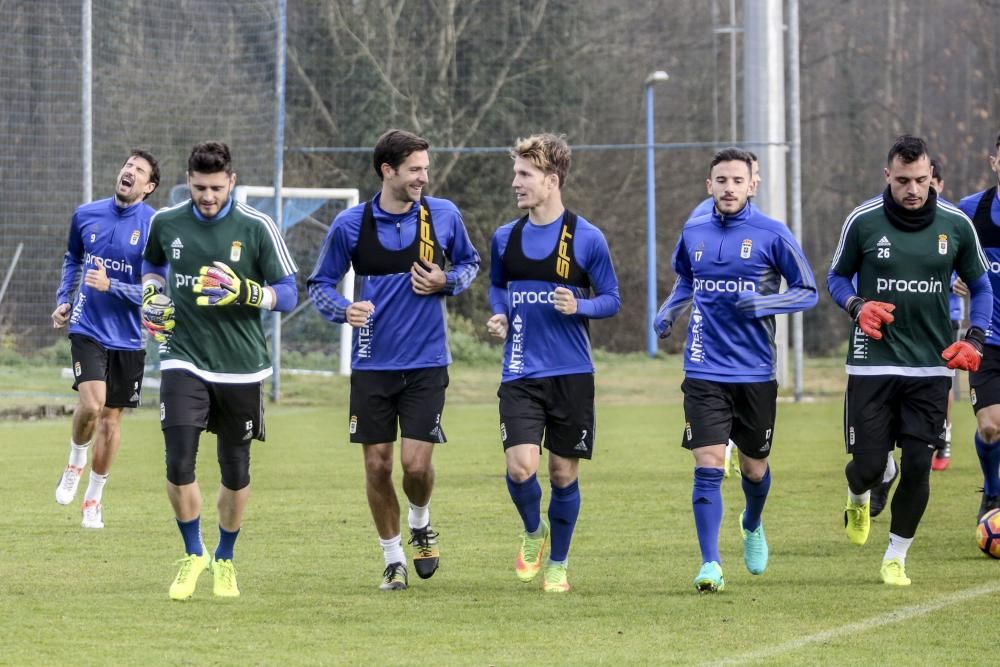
(351, 197)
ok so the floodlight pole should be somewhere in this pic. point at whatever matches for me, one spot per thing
(279, 178)
(651, 80)
(87, 71)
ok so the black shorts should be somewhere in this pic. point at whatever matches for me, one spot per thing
(412, 399)
(560, 408)
(985, 383)
(717, 412)
(235, 412)
(880, 409)
(120, 370)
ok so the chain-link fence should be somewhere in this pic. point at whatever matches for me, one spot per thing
(167, 75)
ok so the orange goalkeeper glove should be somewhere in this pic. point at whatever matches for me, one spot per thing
(871, 315)
(966, 354)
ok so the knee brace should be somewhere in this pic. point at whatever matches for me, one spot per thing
(915, 463)
(181, 452)
(865, 470)
(234, 464)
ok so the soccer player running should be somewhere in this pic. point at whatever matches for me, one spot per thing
(221, 263)
(984, 209)
(729, 266)
(956, 307)
(550, 274)
(903, 246)
(398, 243)
(707, 205)
(105, 238)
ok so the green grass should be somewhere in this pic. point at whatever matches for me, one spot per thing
(309, 562)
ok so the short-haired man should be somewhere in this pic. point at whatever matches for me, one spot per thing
(220, 263)
(903, 246)
(956, 307)
(729, 266)
(106, 238)
(705, 207)
(543, 269)
(398, 243)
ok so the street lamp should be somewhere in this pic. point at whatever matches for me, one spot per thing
(651, 80)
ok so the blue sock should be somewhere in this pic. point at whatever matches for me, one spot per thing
(191, 532)
(989, 461)
(756, 495)
(527, 497)
(564, 508)
(706, 499)
(226, 542)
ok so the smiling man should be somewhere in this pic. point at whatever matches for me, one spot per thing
(211, 265)
(550, 273)
(903, 246)
(399, 243)
(105, 239)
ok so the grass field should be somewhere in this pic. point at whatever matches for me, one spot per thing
(309, 562)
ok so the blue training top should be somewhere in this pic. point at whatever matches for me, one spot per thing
(729, 269)
(541, 341)
(407, 330)
(101, 230)
(991, 247)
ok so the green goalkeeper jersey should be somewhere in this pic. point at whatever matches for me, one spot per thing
(217, 343)
(912, 270)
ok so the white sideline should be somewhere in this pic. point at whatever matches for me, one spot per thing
(872, 623)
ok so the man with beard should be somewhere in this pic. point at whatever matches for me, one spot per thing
(903, 246)
(106, 238)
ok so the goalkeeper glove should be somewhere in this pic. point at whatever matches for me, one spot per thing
(966, 354)
(157, 313)
(870, 315)
(220, 286)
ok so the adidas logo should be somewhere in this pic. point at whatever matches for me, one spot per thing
(517, 323)
(177, 243)
(883, 243)
(580, 447)
(135, 397)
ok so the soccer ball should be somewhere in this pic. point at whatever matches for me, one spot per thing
(988, 534)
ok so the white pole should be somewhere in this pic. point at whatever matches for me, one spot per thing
(795, 126)
(279, 165)
(86, 100)
(10, 271)
(764, 123)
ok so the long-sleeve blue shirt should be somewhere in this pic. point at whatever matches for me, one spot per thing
(407, 330)
(968, 205)
(541, 341)
(729, 269)
(101, 230)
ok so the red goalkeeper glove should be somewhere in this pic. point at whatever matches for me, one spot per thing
(966, 354)
(871, 315)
